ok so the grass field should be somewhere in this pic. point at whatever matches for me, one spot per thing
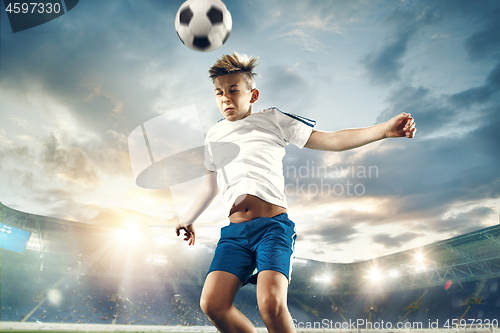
(104, 331)
(17, 327)
(24, 327)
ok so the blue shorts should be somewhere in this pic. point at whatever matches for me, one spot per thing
(266, 243)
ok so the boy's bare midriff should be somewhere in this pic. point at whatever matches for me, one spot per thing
(252, 207)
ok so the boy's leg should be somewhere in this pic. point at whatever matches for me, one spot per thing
(272, 290)
(217, 300)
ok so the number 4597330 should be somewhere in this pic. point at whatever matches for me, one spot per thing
(33, 8)
(472, 323)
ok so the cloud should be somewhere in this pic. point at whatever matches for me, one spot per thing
(15, 152)
(123, 218)
(309, 25)
(481, 94)
(454, 157)
(70, 164)
(318, 252)
(383, 66)
(389, 241)
(53, 197)
(485, 43)
(464, 222)
(332, 231)
(439, 35)
(18, 178)
(408, 23)
(452, 161)
(103, 84)
(110, 155)
(281, 82)
(433, 114)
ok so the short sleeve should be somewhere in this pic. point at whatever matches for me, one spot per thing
(208, 160)
(295, 129)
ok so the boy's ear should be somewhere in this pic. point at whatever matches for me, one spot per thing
(255, 95)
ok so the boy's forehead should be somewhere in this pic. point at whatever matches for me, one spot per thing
(228, 80)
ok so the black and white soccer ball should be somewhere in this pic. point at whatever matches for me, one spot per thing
(203, 25)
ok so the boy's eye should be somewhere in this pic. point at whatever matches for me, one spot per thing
(232, 91)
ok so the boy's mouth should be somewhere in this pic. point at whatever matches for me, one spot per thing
(228, 109)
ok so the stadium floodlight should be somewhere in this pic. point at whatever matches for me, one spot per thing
(128, 236)
(156, 259)
(394, 273)
(35, 246)
(54, 296)
(375, 275)
(323, 278)
(300, 261)
(420, 268)
(34, 243)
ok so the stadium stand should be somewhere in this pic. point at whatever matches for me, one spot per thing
(74, 272)
(84, 301)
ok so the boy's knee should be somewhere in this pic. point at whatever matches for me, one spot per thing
(271, 308)
(211, 307)
(205, 304)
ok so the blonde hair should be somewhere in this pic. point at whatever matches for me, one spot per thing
(234, 63)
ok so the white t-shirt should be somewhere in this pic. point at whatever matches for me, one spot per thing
(248, 154)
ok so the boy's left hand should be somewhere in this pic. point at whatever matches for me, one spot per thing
(400, 126)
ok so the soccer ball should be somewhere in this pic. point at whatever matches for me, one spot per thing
(203, 25)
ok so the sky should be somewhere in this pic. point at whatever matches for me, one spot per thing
(73, 90)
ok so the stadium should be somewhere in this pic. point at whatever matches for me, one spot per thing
(78, 276)
(105, 110)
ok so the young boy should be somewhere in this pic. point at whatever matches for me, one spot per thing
(250, 178)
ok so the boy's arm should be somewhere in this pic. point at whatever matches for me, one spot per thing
(402, 125)
(204, 198)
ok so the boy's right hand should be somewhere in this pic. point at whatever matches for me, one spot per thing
(189, 232)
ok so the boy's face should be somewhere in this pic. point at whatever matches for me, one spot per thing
(233, 97)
